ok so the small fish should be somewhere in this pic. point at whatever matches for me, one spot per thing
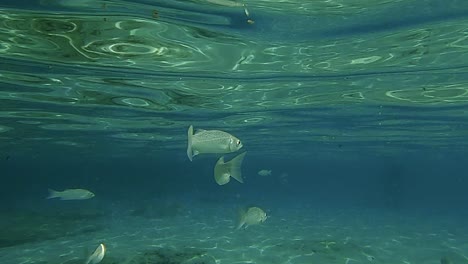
(251, 216)
(211, 141)
(264, 172)
(71, 194)
(97, 256)
(223, 171)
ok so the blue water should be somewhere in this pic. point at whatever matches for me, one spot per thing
(359, 109)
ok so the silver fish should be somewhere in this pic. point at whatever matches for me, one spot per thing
(97, 256)
(211, 141)
(264, 172)
(227, 3)
(71, 194)
(223, 171)
(251, 216)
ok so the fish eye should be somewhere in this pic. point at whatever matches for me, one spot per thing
(238, 142)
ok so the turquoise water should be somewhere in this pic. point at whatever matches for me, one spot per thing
(359, 109)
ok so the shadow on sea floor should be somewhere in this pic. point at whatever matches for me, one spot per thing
(21, 227)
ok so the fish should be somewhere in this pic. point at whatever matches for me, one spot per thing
(264, 172)
(227, 3)
(223, 171)
(71, 194)
(211, 141)
(97, 256)
(251, 216)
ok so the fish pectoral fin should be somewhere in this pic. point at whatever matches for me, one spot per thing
(222, 179)
(221, 173)
(235, 166)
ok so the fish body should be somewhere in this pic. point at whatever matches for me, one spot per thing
(97, 256)
(251, 216)
(264, 172)
(71, 194)
(227, 3)
(211, 141)
(223, 171)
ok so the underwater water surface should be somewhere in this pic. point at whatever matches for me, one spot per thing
(358, 108)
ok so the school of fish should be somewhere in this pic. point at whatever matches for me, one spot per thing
(199, 142)
(221, 142)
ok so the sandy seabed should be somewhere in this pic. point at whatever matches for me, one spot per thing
(206, 234)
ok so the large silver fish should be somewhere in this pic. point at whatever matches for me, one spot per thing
(71, 194)
(211, 141)
(223, 171)
(251, 216)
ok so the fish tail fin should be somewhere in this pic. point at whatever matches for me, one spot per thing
(241, 218)
(189, 142)
(235, 165)
(52, 194)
